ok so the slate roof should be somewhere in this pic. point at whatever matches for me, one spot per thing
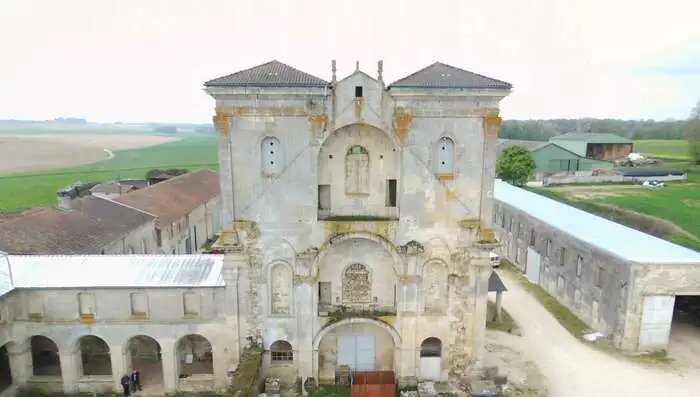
(616, 239)
(440, 75)
(270, 74)
(93, 223)
(591, 137)
(176, 197)
(105, 271)
(495, 283)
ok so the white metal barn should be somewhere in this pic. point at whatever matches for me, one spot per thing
(622, 282)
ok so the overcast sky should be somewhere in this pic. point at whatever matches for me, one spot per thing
(146, 60)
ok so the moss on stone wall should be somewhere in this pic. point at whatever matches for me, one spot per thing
(248, 372)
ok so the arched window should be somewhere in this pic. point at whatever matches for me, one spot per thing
(281, 352)
(431, 347)
(357, 171)
(272, 156)
(444, 157)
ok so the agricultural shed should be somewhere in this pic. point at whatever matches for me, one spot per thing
(618, 280)
(597, 146)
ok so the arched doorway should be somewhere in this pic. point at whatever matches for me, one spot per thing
(45, 358)
(363, 344)
(194, 355)
(145, 356)
(5, 369)
(281, 356)
(95, 356)
(431, 358)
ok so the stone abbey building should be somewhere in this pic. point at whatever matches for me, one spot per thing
(357, 216)
(356, 231)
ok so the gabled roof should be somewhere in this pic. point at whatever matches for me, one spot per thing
(270, 74)
(591, 137)
(440, 75)
(93, 223)
(503, 144)
(105, 271)
(616, 239)
(176, 197)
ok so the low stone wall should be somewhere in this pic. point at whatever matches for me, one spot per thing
(45, 383)
(96, 384)
(572, 179)
(196, 383)
(656, 178)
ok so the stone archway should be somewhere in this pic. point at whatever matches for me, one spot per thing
(195, 356)
(95, 356)
(430, 359)
(45, 358)
(360, 343)
(144, 355)
(398, 263)
(358, 271)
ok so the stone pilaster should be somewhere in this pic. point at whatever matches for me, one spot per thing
(408, 314)
(120, 364)
(170, 375)
(491, 126)
(70, 370)
(306, 302)
(20, 362)
(481, 268)
(222, 122)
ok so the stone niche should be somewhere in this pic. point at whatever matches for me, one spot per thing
(434, 287)
(281, 289)
(357, 285)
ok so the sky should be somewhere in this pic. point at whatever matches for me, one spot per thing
(146, 60)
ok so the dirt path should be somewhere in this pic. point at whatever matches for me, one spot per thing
(573, 369)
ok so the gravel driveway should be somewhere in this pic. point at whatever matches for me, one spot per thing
(573, 369)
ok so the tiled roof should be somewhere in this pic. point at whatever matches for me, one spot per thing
(591, 137)
(93, 223)
(440, 75)
(621, 241)
(176, 197)
(105, 271)
(270, 74)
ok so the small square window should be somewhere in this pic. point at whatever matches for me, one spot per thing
(358, 91)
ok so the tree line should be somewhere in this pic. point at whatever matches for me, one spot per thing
(542, 130)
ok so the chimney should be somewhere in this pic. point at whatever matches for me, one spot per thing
(333, 69)
(64, 200)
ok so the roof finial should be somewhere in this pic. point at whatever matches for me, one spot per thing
(357, 66)
(380, 70)
(333, 69)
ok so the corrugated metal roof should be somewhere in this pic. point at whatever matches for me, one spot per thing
(114, 271)
(589, 137)
(5, 275)
(616, 239)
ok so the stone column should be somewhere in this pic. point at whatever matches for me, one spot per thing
(222, 122)
(491, 126)
(20, 355)
(70, 370)
(481, 270)
(170, 375)
(120, 364)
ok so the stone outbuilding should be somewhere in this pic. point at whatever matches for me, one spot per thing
(630, 286)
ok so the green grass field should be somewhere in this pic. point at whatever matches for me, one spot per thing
(676, 149)
(34, 189)
(678, 203)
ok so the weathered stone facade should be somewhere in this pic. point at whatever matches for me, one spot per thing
(355, 210)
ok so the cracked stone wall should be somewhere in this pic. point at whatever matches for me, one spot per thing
(401, 132)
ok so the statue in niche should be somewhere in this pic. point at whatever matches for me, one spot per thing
(280, 294)
(434, 287)
(357, 285)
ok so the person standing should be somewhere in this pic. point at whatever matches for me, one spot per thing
(136, 380)
(126, 385)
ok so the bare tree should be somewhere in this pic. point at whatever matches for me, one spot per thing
(692, 134)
